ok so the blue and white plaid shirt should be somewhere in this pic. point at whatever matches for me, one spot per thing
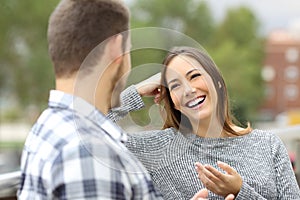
(74, 152)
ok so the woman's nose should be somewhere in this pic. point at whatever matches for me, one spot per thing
(189, 89)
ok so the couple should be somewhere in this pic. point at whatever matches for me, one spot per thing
(74, 152)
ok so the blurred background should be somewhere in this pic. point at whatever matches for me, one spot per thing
(256, 45)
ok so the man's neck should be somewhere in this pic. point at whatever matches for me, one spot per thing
(85, 90)
(65, 84)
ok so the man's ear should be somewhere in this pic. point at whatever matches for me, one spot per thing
(114, 49)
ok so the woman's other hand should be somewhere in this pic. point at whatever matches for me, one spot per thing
(217, 182)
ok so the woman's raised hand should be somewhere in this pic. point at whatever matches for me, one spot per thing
(218, 182)
(150, 87)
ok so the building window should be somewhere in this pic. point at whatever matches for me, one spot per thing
(291, 73)
(269, 92)
(292, 55)
(268, 73)
(291, 92)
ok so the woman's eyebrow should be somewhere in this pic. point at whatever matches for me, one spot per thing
(192, 70)
(173, 80)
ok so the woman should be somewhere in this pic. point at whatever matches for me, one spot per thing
(199, 128)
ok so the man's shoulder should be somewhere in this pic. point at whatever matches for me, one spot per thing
(52, 132)
(58, 136)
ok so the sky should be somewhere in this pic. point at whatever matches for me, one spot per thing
(272, 14)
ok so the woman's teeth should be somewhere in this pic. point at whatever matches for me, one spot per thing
(196, 102)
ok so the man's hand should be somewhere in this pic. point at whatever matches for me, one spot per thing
(217, 182)
(203, 193)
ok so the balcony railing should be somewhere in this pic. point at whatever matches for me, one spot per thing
(9, 185)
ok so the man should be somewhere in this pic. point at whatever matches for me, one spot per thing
(73, 151)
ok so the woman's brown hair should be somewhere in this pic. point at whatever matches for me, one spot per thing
(174, 118)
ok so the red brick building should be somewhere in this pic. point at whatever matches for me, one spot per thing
(281, 73)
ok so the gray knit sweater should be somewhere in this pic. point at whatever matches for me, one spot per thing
(169, 156)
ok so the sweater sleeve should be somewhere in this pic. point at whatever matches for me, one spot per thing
(287, 186)
(130, 101)
(147, 146)
(150, 146)
(247, 192)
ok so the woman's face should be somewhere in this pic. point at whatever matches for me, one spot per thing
(191, 88)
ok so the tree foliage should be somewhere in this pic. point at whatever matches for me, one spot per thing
(189, 17)
(233, 43)
(238, 51)
(25, 66)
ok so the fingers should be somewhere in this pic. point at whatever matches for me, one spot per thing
(208, 179)
(156, 77)
(217, 182)
(149, 87)
(227, 168)
(216, 173)
(202, 194)
(210, 172)
(157, 98)
(230, 197)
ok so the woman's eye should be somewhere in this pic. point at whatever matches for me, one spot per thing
(195, 75)
(173, 86)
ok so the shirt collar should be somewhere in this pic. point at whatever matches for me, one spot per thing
(63, 100)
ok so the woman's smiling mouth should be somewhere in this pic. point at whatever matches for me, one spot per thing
(196, 102)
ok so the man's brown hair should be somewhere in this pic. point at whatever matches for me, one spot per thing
(76, 27)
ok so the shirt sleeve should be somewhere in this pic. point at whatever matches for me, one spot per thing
(286, 182)
(287, 186)
(130, 101)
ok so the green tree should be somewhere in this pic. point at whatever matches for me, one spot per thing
(190, 17)
(240, 25)
(238, 51)
(234, 44)
(242, 75)
(25, 69)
